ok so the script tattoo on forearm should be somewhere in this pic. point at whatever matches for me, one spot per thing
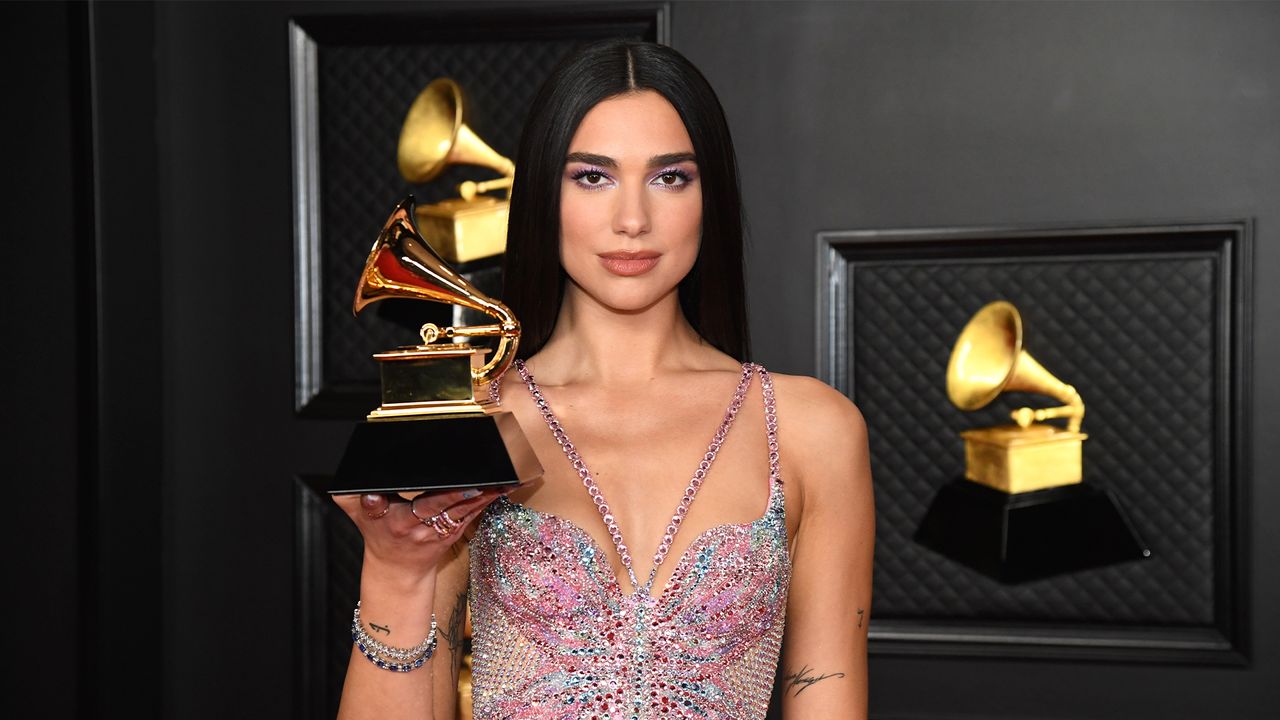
(804, 678)
(380, 628)
(453, 632)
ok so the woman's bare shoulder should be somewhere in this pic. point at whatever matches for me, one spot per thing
(822, 434)
(815, 407)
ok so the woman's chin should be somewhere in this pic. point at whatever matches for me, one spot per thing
(630, 300)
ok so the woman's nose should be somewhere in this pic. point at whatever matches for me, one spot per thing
(631, 215)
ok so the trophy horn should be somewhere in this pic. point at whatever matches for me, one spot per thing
(403, 265)
(435, 136)
(988, 359)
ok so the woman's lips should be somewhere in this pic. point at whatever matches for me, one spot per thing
(629, 263)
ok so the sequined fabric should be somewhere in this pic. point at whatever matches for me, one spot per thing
(556, 636)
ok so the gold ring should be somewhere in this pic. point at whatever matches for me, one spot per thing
(368, 501)
(413, 508)
(447, 521)
(437, 523)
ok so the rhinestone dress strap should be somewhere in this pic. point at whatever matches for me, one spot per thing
(690, 492)
(495, 389)
(770, 425)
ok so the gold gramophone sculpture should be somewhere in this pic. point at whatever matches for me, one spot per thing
(434, 378)
(431, 431)
(1022, 511)
(988, 359)
(434, 136)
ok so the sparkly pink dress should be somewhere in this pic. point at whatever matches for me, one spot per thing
(556, 636)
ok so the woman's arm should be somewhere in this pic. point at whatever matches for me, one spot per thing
(824, 655)
(409, 572)
(452, 582)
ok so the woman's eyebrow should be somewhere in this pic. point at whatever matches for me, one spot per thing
(672, 159)
(591, 159)
(608, 162)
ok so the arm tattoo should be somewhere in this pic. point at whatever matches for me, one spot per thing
(380, 628)
(453, 633)
(860, 617)
(803, 679)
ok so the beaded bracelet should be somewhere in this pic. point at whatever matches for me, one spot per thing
(392, 658)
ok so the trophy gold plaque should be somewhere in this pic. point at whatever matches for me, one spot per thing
(1022, 510)
(434, 136)
(431, 432)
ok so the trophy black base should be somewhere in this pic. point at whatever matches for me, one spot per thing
(440, 453)
(1014, 538)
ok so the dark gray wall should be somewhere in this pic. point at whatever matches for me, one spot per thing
(909, 115)
(858, 115)
(46, 349)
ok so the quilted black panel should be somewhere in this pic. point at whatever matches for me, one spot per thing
(1135, 335)
(365, 91)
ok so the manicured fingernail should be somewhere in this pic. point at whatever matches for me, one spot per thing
(468, 494)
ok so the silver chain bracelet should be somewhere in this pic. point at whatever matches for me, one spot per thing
(392, 658)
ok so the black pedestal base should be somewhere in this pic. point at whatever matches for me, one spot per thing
(413, 455)
(1015, 538)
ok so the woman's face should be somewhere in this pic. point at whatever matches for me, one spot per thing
(630, 202)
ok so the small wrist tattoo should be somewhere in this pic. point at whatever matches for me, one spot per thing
(860, 611)
(804, 678)
(380, 628)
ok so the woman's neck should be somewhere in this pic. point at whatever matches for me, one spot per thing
(594, 343)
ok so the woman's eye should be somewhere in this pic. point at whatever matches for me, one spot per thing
(673, 179)
(591, 179)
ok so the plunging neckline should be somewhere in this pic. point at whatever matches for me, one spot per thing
(599, 551)
(691, 491)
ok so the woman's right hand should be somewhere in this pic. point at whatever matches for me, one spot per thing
(408, 546)
(401, 536)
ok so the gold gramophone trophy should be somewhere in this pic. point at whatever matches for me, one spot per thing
(1022, 510)
(431, 431)
(434, 136)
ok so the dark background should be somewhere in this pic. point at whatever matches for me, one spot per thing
(149, 313)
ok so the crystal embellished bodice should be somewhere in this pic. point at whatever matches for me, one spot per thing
(555, 635)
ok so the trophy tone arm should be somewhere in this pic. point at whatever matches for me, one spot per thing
(1025, 416)
(507, 332)
(1073, 410)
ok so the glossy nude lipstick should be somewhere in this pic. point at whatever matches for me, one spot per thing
(629, 263)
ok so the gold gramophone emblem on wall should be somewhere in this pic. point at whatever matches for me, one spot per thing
(1022, 511)
(988, 359)
(434, 136)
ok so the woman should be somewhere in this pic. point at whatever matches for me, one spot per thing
(624, 264)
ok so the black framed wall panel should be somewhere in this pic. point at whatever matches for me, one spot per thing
(1149, 322)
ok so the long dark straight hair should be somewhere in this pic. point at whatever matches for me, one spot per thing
(711, 295)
